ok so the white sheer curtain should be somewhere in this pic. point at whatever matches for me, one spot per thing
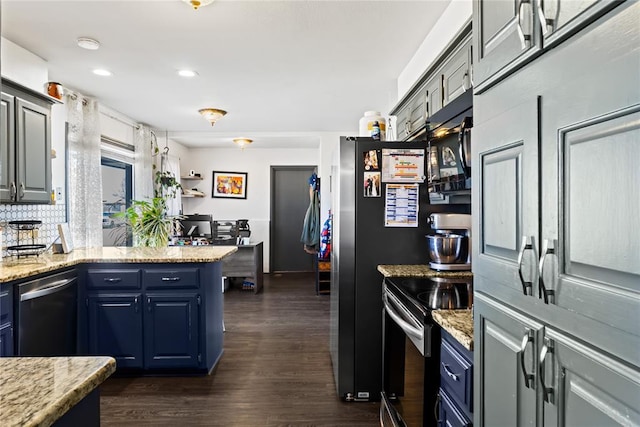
(85, 177)
(144, 142)
(172, 165)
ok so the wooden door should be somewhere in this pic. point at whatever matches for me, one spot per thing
(33, 144)
(505, 195)
(289, 203)
(7, 148)
(560, 19)
(584, 387)
(171, 330)
(115, 328)
(505, 365)
(504, 38)
(591, 180)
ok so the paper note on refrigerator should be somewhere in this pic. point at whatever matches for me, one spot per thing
(403, 165)
(401, 205)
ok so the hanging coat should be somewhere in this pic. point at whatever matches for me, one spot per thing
(310, 237)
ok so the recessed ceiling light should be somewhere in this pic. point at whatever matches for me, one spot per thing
(187, 73)
(102, 72)
(88, 43)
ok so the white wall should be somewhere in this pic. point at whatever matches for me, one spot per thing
(257, 163)
(448, 25)
(22, 66)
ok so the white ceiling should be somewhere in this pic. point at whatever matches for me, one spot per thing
(284, 70)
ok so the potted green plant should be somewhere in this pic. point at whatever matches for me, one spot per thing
(167, 185)
(149, 222)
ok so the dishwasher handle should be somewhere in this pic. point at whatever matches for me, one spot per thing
(48, 289)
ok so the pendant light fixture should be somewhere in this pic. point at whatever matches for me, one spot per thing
(212, 114)
(198, 3)
(242, 142)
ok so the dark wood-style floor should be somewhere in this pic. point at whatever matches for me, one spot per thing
(275, 371)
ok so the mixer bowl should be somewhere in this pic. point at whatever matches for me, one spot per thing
(447, 248)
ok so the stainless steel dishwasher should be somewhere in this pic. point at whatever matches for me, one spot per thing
(47, 316)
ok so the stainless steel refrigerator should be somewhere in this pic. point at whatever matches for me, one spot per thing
(360, 242)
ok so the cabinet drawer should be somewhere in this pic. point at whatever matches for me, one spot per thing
(171, 278)
(113, 279)
(456, 374)
(450, 416)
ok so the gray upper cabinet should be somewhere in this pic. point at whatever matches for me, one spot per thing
(510, 33)
(7, 147)
(556, 245)
(506, 182)
(456, 74)
(448, 77)
(26, 146)
(504, 38)
(433, 94)
(558, 19)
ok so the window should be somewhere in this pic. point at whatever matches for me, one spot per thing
(117, 190)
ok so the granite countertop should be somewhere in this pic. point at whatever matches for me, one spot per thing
(418, 270)
(36, 391)
(13, 268)
(459, 323)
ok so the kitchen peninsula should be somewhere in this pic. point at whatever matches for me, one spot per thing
(155, 310)
(43, 391)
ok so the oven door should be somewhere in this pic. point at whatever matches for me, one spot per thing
(412, 327)
(389, 416)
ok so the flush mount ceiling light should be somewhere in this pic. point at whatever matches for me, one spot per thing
(187, 73)
(102, 72)
(212, 114)
(242, 142)
(198, 3)
(88, 43)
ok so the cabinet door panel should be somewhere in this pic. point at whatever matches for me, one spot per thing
(434, 95)
(33, 152)
(455, 74)
(591, 205)
(7, 146)
(587, 387)
(171, 331)
(6, 340)
(115, 328)
(498, 46)
(568, 16)
(505, 203)
(504, 398)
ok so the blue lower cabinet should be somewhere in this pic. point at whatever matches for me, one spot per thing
(450, 416)
(6, 340)
(115, 328)
(171, 330)
(6, 321)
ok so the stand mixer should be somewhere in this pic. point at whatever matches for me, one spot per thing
(450, 246)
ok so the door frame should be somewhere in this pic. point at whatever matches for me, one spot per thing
(272, 209)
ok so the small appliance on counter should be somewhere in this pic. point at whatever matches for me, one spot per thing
(450, 246)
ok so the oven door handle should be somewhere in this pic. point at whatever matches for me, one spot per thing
(406, 327)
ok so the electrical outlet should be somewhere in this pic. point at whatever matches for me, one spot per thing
(59, 195)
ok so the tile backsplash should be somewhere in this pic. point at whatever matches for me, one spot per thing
(50, 215)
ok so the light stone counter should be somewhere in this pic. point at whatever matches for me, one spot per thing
(12, 268)
(459, 323)
(37, 391)
(418, 270)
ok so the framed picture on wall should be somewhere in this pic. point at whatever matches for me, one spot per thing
(229, 185)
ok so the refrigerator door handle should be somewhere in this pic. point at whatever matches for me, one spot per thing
(400, 320)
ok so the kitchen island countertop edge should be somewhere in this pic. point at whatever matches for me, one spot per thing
(20, 268)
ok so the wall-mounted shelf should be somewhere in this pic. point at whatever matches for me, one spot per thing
(191, 195)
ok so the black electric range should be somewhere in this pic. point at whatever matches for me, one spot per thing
(421, 295)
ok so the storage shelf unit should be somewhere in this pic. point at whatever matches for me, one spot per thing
(323, 277)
